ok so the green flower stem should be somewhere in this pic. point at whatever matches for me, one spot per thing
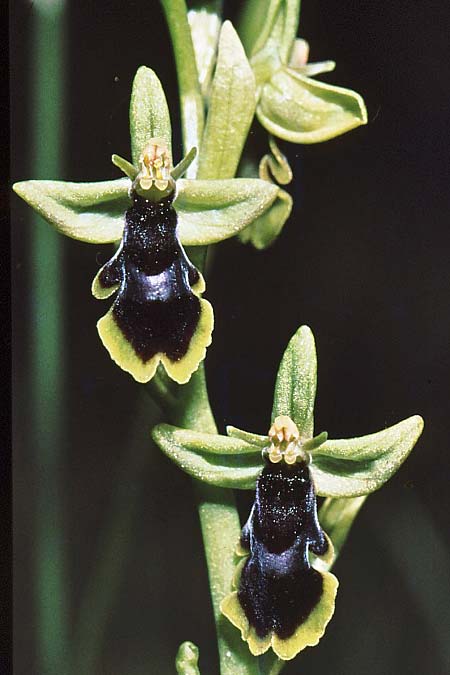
(218, 514)
(47, 358)
(192, 108)
(101, 589)
(221, 529)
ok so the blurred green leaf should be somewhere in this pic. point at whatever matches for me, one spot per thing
(302, 110)
(91, 212)
(212, 210)
(149, 114)
(295, 388)
(359, 466)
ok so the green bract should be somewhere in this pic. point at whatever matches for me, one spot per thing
(340, 468)
(291, 105)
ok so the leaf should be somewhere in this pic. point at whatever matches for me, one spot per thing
(231, 108)
(212, 210)
(264, 230)
(299, 109)
(149, 114)
(217, 460)
(91, 212)
(295, 388)
(358, 466)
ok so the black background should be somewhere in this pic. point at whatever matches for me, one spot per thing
(363, 260)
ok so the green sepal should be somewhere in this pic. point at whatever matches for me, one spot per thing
(256, 23)
(90, 212)
(255, 439)
(212, 210)
(231, 108)
(359, 466)
(186, 662)
(264, 230)
(295, 387)
(270, 23)
(208, 211)
(299, 109)
(149, 113)
(214, 459)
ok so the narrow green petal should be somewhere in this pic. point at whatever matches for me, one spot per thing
(275, 165)
(359, 466)
(214, 459)
(295, 388)
(255, 439)
(264, 230)
(302, 110)
(212, 210)
(231, 108)
(149, 114)
(91, 212)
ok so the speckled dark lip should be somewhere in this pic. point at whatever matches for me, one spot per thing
(155, 307)
(278, 588)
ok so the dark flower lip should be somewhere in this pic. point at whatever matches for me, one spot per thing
(281, 600)
(158, 315)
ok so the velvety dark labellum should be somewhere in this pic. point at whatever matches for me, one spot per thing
(278, 588)
(155, 307)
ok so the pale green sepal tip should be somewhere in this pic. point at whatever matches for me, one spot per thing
(149, 113)
(232, 104)
(186, 661)
(295, 388)
(359, 466)
(125, 166)
(90, 212)
(256, 439)
(302, 110)
(214, 459)
(210, 211)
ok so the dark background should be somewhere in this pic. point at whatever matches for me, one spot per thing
(363, 260)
